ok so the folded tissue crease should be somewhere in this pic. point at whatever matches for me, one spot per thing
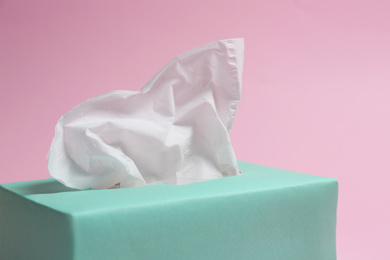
(175, 130)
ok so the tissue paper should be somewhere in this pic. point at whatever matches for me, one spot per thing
(174, 130)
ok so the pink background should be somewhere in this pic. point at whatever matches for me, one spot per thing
(316, 86)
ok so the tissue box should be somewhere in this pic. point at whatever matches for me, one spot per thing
(265, 213)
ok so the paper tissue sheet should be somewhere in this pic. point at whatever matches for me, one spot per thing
(175, 130)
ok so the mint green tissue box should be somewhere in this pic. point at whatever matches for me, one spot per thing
(265, 213)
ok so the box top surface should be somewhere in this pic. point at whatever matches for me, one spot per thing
(255, 178)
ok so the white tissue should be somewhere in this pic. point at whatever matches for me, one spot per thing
(175, 130)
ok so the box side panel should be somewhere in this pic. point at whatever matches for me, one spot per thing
(294, 223)
(32, 231)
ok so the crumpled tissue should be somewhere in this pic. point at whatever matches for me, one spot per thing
(175, 130)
